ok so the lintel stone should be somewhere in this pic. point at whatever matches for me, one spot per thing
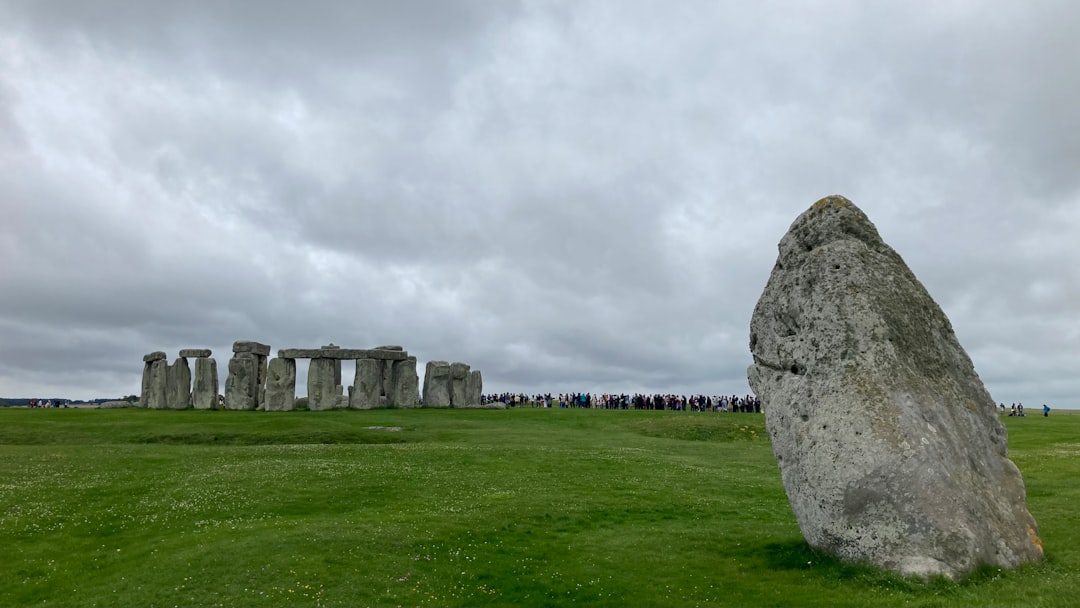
(194, 352)
(257, 348)
(342, 353)
(157, 355)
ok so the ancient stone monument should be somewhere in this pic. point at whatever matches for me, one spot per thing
(385, 376)
(170, 386)
(889, 446)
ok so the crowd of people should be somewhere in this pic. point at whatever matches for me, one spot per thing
(611, 401)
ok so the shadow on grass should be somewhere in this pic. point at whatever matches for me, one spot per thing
(798, 555)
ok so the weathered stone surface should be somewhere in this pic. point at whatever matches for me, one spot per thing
(155, 381)
(280, 385)
(474, 388)
(337, 363)
(178, 385)
(341, 353)
(404, 384)
(459, 374)
(367, 384)
(194, 352)
(157, 355)
(391, 347)
(437, 384)
(144, 392)
(246, 346)
(889, 446)
(241, 388)
(323, 391)
(204, 390)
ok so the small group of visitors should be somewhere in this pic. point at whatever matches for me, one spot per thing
(1018, 409)
(35, 402)
(623, 401)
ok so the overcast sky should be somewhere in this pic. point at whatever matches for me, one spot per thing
(565, 195)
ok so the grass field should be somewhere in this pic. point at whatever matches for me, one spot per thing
(457, 508)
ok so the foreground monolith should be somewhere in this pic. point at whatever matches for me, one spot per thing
(889, 446)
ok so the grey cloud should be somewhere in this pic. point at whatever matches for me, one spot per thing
(576, 195)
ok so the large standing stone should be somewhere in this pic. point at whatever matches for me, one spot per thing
(437, 384)
(367, 384)
(337, 363)
(388, 372)
(889, 446)
(204, 392)
(323, 389)
(280, 385)
(404, 383)
(474, 388)
(178, 385)
(241, 386)
(148, 364)
(258, 352)
(156, 382)
(459, 374)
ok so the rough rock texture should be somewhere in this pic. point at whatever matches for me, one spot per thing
(437, 384)
(157, 355)
(474, 388)
(193, 353)
(204, 390)
(337, 362)
(404, 384)
(367, 384)
(178, 385)
(241, 386)
(154, 384)
(889, 446)
(255, 348)
(322, 389)
(459, 374)
(280, 385)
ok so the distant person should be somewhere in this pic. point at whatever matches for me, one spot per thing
(1012, 412)
(1046, 410)
(1020, 409)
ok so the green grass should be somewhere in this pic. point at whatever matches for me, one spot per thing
(458, 508)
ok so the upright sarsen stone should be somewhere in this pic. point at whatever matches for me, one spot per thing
(437, 384)
(178, 385)
(323, 389)
(148, 377)
(404, 383)
(889, 446)
(459, 374)
(156, 382)
(204, 390)
(256, 352)
(280, 385)
(241, 385)
(367, 384)
(474, 388)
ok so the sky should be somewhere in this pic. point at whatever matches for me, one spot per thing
(567, 195)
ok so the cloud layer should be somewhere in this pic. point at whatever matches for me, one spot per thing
(566, 195)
